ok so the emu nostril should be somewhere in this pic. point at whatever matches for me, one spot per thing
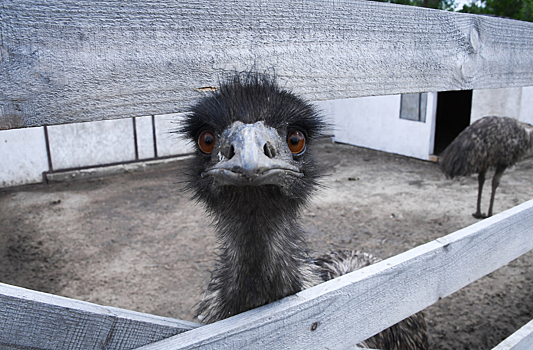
(227, 152)
(230, 152)
(270, 152)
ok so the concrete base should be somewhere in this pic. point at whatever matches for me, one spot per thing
(101, 171)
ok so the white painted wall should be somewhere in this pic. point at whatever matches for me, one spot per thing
(168, 142)
(23, 154)
(23, 157)
(496, 102)
(509, 102)
(526, 105)
(374, 122)
(93, 143)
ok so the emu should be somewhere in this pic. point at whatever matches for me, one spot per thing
(254, 171)
(490, 142)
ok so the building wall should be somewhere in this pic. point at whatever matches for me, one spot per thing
(93, 143)
(374, 122)
(24, 155)
(509, 102)
(526, 105)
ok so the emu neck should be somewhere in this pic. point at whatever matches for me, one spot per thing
(262, 256)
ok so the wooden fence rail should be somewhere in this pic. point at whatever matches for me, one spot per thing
(35, 320)
(71, 61)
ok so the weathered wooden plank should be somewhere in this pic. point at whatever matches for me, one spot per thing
(353, 307)
(70, 61)
(34, 320)
(522, 339)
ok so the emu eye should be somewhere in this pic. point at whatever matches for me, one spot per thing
(206, 141)
(296, 142)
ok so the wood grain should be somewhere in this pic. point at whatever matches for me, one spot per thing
(69, 61)
(35, 320)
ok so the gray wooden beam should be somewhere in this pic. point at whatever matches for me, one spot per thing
(70, 61)
(355, 306)
(34, 320)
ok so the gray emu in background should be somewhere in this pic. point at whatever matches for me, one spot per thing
(490, 142)
(254, 171)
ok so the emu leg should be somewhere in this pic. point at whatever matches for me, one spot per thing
(495, 184)
(480, 182)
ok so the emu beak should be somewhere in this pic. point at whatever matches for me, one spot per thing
(252, 155)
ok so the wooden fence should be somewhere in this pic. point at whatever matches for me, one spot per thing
(67, 61)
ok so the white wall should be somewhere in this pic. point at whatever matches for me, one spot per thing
(23, 156)
(526, 105)
(168, 142)
(374, 122)
(509, 102)
(93, 143)
(496, 102)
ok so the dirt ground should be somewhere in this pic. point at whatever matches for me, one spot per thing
(135, 241)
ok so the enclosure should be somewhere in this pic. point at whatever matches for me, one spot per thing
(66, 62)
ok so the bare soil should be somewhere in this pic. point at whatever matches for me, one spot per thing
(135, 240)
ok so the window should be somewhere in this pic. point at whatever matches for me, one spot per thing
(413, 107)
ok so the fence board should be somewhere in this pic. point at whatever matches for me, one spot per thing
(70, 61)
(34, 320)
(353, 307)
(522, 339)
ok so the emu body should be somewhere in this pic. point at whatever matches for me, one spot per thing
(254, 171)
(490, 142)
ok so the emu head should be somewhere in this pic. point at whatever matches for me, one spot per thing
(253, 144)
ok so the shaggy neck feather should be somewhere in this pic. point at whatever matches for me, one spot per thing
(262, 257)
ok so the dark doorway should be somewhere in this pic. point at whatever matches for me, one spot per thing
(453, 115)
